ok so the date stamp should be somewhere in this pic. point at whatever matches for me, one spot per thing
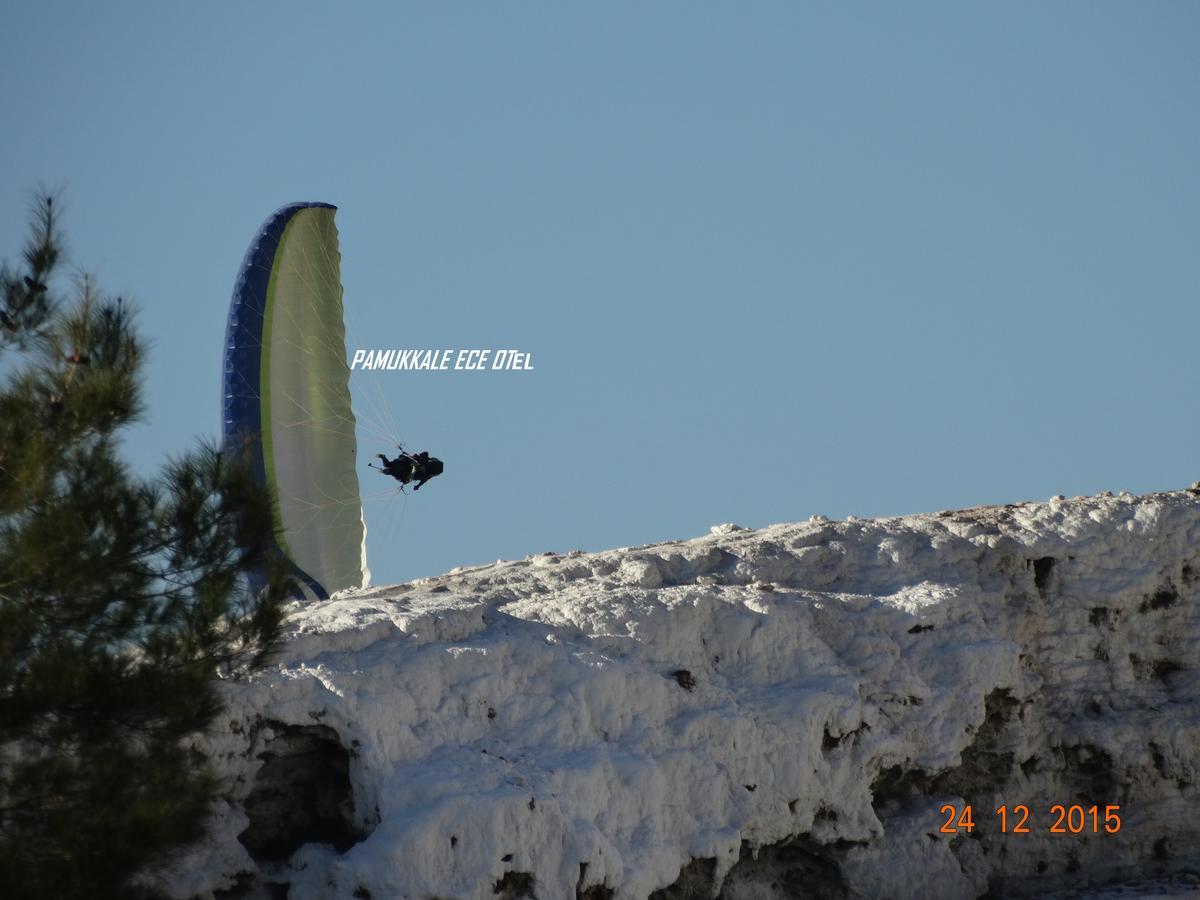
(1060, 818)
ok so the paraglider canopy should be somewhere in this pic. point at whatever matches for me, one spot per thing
(287, 395)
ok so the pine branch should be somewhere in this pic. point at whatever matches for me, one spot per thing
(28, 302)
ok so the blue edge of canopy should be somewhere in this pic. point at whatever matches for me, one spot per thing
(243, 358)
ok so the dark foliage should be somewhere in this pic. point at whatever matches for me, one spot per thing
(122, 600)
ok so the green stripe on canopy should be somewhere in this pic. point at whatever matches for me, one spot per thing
(309, 447)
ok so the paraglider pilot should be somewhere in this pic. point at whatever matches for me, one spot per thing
(406, 467)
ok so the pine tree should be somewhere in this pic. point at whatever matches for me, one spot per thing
(122, 599)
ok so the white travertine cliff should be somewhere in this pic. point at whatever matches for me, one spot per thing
(776, 713)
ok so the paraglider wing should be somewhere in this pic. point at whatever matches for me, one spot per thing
(287, 395)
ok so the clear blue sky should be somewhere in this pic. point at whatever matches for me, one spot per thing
(771, 259)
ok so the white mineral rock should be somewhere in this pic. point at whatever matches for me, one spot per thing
(784, 712)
